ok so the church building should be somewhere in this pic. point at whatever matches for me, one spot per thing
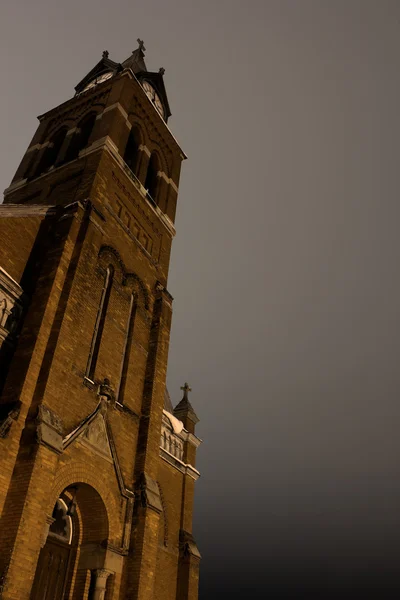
(97, 469)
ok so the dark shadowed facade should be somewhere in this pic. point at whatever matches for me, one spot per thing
(97, 469)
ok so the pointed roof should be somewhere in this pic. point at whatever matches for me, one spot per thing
(184, 408)
(136, 60)
(136, 64)
(95, 432)
(104, 65)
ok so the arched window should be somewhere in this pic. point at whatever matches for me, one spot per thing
(151, 183)
(127, 348)
(81, 137)
(99, 326)
(61, 526)
(131, 153)
(52, 151)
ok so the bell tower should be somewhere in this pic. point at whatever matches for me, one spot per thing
(97, 470)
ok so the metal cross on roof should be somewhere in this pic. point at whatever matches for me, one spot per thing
(186, 388)
(141, 45)
(105, 54)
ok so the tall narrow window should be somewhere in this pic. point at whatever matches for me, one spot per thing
(52, 151)
(99, 326)
(81, 137)
(131, 153)
(127, 348)
(151, 183)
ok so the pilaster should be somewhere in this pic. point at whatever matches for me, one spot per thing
(143, 559)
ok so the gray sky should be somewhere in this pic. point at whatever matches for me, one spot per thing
(284, 270)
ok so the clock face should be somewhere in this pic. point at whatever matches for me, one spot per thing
(154, 97)
(98, 79)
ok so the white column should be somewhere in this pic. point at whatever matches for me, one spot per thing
(101, 576)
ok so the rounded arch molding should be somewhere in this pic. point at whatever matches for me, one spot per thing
(136, 124)
(79, 472)
(162, 159)
(126, 276)
(72, 117)
(151, 138)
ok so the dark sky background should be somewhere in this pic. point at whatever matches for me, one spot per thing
(285, 268)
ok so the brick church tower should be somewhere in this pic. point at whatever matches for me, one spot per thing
(97, 470)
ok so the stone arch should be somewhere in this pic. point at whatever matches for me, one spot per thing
(132, 278)
(138, 123)
(108, 255)
(127, 278)
(73, 475)
(69, 123)
(69, 564)
(163, 161)
(81, 137)
(50, 154)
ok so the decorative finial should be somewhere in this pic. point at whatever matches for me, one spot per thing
(186, 388)
(105, 54)
(106, 392)
(141, 45)
(161, 70)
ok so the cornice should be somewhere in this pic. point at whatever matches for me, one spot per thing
(184, 468)
(26, 210)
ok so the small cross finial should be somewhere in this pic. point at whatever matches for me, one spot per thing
(105, 54)
(161, 70)
(186, 388)
(141, 45)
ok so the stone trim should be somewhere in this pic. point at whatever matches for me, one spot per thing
(145, 149)
(110, 453)
(184, 468)
(119, 107)
(193, 440)
(168, 180)
(15, 186)
(34, 147)
(26, 210)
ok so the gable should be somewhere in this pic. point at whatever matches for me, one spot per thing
(104, 65)
(95, 434)
(95, 438)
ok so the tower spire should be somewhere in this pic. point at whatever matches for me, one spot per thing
(185, 411)
(136, 60)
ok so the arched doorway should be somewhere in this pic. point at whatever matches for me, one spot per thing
(71, 561)
(54, 558)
